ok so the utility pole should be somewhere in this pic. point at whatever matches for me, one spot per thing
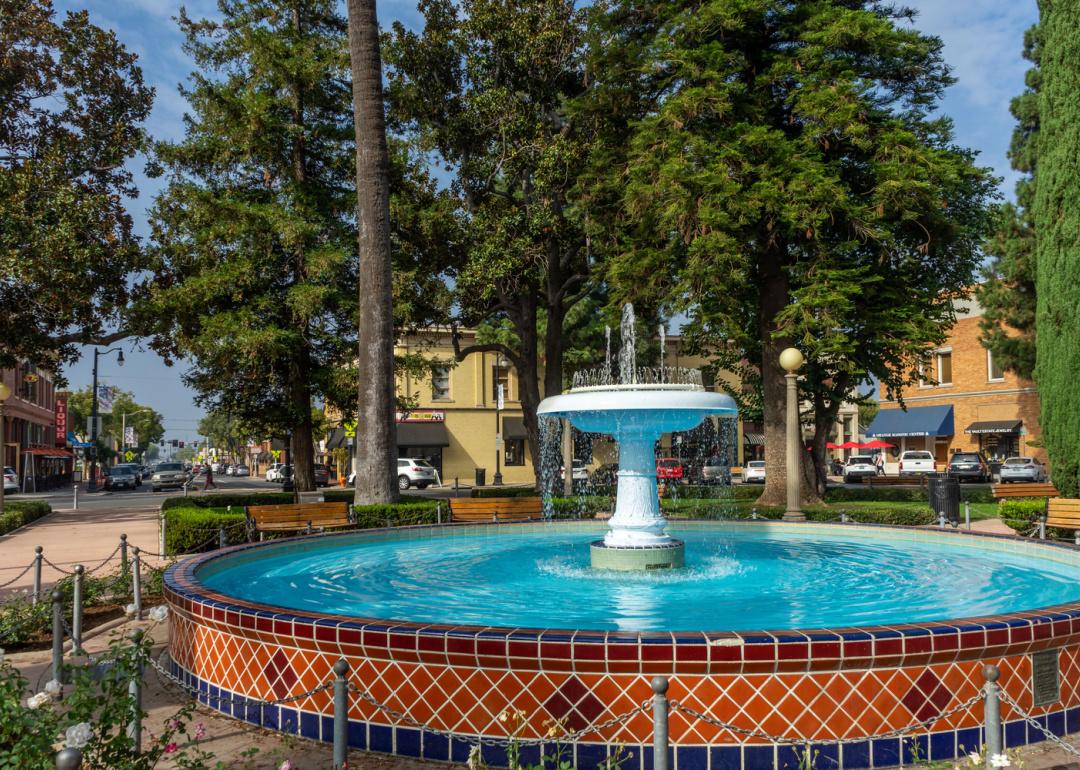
(91, 485)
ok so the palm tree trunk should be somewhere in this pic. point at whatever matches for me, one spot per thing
(376, 441)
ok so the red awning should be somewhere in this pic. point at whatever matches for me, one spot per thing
(59, 452)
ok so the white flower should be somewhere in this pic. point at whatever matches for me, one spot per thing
(1000, 760)
(474, 762)
(77, 736)
(975, 757)
(53, 687)
(159, 613)
(130, 609)
(34, 701)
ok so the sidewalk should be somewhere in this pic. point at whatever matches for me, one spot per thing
(75, 537)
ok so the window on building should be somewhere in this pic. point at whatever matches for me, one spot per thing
(994, 373)
(500, 375)
(944, 367)
(440, 383)
(514, 451)
(924, 367)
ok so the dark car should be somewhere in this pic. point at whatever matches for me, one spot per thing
(968, 466)
(322, 475)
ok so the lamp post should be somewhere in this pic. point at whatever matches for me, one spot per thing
(91, 485)
(790, 360)
(497, 479)
(5, 394)
(123, 426)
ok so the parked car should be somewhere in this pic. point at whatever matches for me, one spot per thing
(322, 475)
(968, 465)
(604, 475)
(273, 472)
(579, 472)
(916, 462)
(414, 472)
(120, 477)
(1022, 469)
(669, 470)
(229, 470)
(859, 467)
(11, 480)
(217, 467)
(754, 472)
(241, 470)
(284, 474)
(168, 475)
(715, 471)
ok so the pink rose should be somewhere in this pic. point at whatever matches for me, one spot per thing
(200, 731)
(171, 748)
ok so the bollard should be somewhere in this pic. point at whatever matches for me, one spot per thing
(134, 728)
(753, 514)
(76, 610)
(438, 512)
(37, 574)
(992, 713)
(1042, 528)
(222, 541)
(58, 636)
(843, 517)
(388, 524)
(660, 723)
(161, 533)
(967, 514)
(123, 555)
(75, 506)
(341, 714)
(941, 520)
(69, 759)
(136, 582)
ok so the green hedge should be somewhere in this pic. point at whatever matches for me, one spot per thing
(20, 512)
(398, 514)
(1023, 513)
(187, 530)
(503, 492)
(225, 500)
(968, 493)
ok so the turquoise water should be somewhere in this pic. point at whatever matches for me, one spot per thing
(735, 579)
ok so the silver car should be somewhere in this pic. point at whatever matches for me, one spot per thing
(122, 476)
(168, 475)
(716, 471)
(414, 472)
(1022, 469)
(11, 480)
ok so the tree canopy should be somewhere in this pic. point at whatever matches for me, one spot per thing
(72, 107)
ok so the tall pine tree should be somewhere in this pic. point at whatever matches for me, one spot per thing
(1007, 293)
(1057, 246)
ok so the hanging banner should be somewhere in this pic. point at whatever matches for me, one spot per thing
(105, 399)
(130, 439)
(61, 419)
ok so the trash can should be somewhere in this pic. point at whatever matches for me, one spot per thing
(944, 493)
(481, 477)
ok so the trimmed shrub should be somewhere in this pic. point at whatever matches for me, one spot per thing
(1022, 513)
(18, 513)
(398, 515)
(195, 528)
(504, 492)
(225, 500)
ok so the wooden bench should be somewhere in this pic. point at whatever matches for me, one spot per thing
(495, 508)
(304, 517)
(1063, 513)
(998, 491)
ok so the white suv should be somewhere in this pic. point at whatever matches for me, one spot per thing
(273, 473)
(916, 462)
(414, 472)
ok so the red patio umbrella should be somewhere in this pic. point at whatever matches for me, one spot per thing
(831, 445)
(850, 445)
(877, 444)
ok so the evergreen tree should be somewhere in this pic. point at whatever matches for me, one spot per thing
(785, 184)
(254, 236)
(1057, 246)
(1007, 294)
(72, 105)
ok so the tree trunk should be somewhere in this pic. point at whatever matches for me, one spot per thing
(376, 440)
(824, 419)
(301, 441)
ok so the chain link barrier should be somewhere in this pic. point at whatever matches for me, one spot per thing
(29, 567)
(899, 732)
(88, 570)
(1033, 722)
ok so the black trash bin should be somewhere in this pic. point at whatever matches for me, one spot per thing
(944, 493)
(481, 477)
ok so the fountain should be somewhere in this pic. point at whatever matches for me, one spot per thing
(636, 411)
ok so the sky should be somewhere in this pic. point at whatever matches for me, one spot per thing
(983, 41)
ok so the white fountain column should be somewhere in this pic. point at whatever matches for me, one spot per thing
(637, 521)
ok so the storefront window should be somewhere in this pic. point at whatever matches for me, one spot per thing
(994, 372)
(440, 383)
(514, 452)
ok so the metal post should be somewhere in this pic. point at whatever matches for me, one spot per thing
(660, 723)
(455, 486)
(134, 728)
(91, 484)
(69, 759)
(967, 514)
(136, 582)
(161, 533)
(77, 610)
(992, 713)
(753, 514)
(222, 541)
(843, 517)
(941, 519)
(438, 512)
(341, 713)
(123, 555)
(58, 636)
(794, 461)
(37, 574)
(1042, 528)
(75, 506)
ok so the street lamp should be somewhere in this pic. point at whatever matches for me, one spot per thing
(497, 479)
(91, 486)
(790, 360)
(5, 394)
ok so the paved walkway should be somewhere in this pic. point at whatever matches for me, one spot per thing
(74, 537)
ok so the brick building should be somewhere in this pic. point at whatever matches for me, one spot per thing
(31, 445)
(965, 402)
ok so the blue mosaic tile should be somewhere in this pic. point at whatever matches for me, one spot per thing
(459, 750)
(943, 745)
(1072, 720)
(494, 755)
(355, 734)
(271, 717)
(1056, 722)
(436, 747)
(759, 758)
(590, 755)
(407, 742)
(968, 739)
(380, 738)
(885, 752)
(826, 756)
(691, 758)
(856, 755)
(327, 723)
(725, 758)
(647, 757)
(309, 726)
(1015, 733)
(530, 755)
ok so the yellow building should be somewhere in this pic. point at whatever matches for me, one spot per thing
(457, 424)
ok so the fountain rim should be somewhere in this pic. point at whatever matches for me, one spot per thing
(634, 398)
(946, 639)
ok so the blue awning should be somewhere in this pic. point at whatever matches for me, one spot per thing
(916, 421)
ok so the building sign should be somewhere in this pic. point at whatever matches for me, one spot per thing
(1045, 683)
(61, 422)
(422, 415)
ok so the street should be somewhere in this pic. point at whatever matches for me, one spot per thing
(124, 499)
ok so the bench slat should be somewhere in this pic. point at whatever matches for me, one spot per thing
(496, 508)
(297, 517)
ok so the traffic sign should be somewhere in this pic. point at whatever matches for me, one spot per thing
(129, 455)
(350, 428)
